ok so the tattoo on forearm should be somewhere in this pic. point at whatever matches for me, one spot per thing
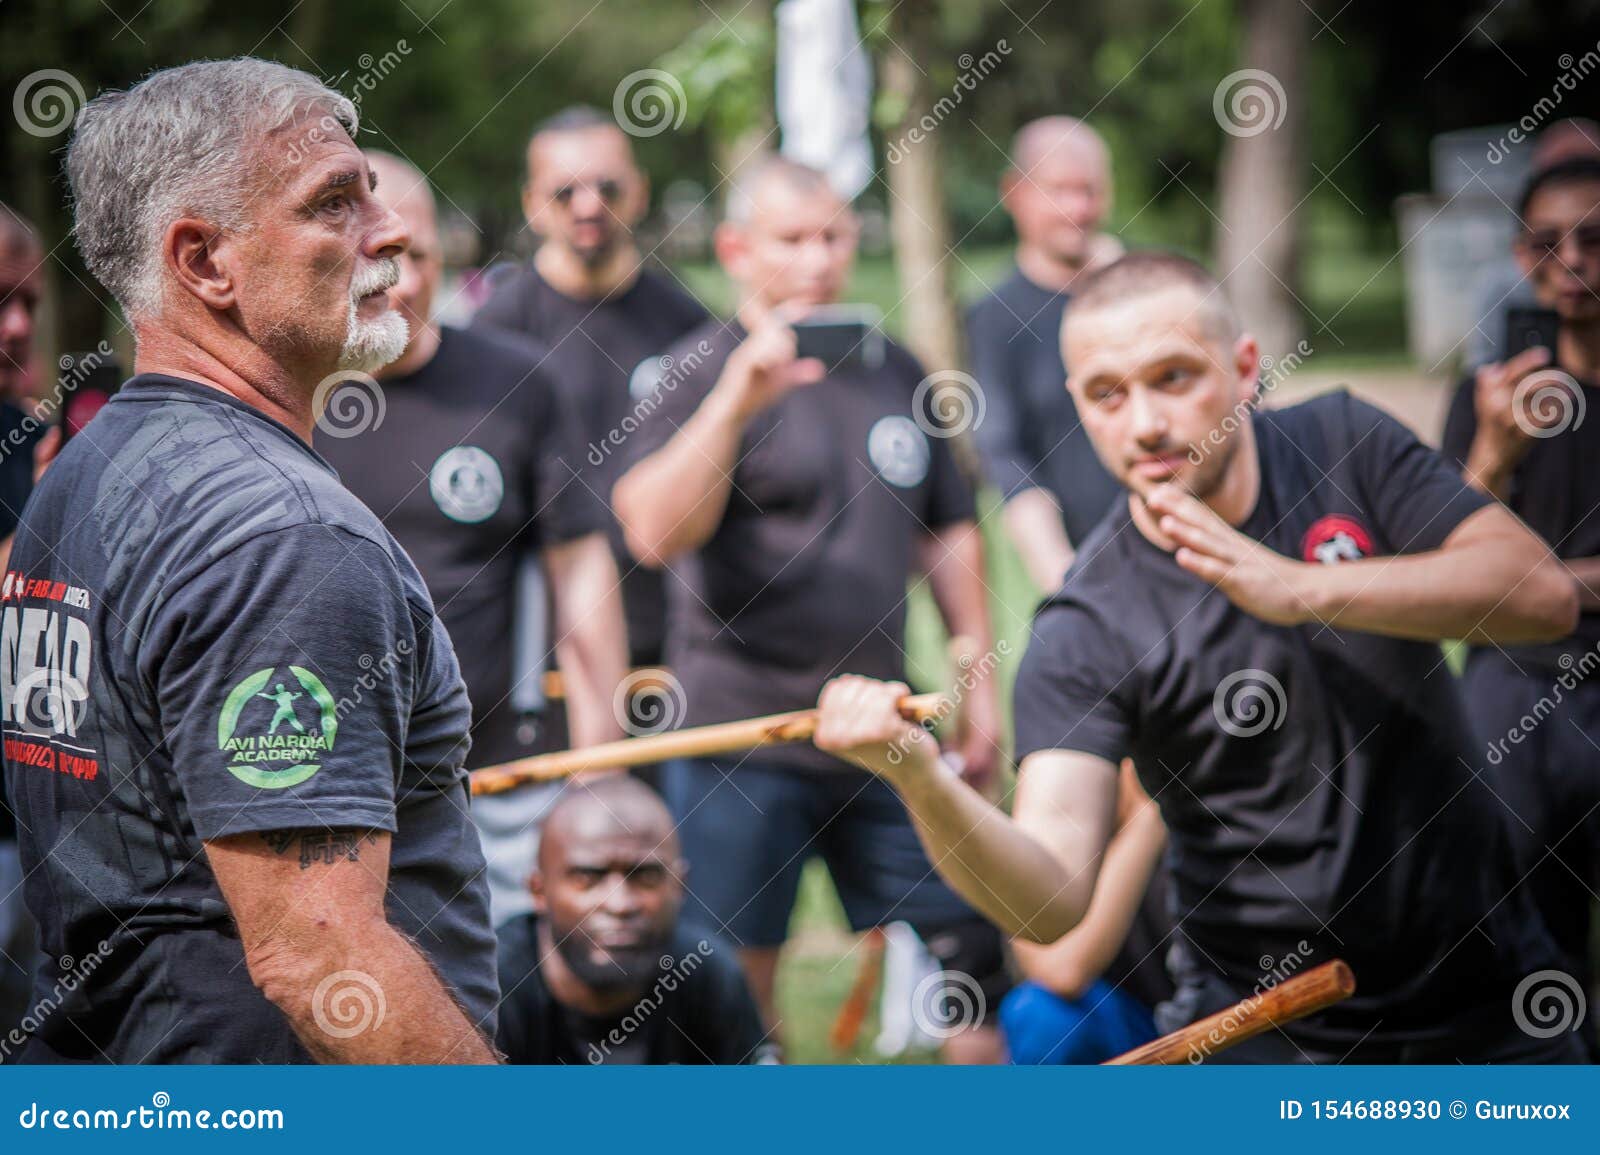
(324, 847)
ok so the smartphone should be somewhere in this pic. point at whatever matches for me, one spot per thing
(1528, 328)
(88, 381)
(841, 337)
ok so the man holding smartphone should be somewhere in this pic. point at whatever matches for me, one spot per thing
(1518, 431)
(794, 501)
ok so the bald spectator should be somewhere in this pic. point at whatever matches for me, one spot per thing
(1506, 285)
(604, 971)
(1058, 191)
(601, 315)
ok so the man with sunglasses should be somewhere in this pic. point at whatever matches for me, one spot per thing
(1518, 432)
(602, 316)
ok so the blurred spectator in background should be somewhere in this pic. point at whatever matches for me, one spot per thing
(1058, 191)
(469, 469)
(1091, 995)
(1517, 430)
(1506, 284)
(605, 971)
(795, 501)
(602, 317)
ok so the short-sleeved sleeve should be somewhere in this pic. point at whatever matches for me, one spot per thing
(1460, 424)
(1416, 496)
(285, 675)
(1000, 435)
(504, 310)
(565, 501)
(1074, 690)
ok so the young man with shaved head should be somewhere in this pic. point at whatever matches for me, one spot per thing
(602, 317)
(473, 470)
(605, 971)
(1256, 624)
(1035, 451)
(794, 503)
(234, 727)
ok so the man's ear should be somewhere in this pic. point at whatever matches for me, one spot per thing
(536, 888)
(1526, 261)
(1247, 364)
(197, 253)
(531, 208)
(732, 246)
(638, 200)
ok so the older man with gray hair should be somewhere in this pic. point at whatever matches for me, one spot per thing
(234, 729)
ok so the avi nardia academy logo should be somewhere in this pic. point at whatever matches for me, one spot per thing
(276, 730)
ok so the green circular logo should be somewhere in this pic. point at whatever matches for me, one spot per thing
(275, 737)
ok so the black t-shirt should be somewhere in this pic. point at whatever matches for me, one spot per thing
(1030, 435)
(698, 1010)
(805, 577)
(473, 470)
(1556, 490)
(16, 483)
(604, 358)
(1317, 783)
(205, 635)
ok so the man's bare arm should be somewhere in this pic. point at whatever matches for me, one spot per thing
(1070, 966)
(1033, 874)
(591, 635)
(952, 557)
(1585, 573)
(309, 905)
(1033, 524)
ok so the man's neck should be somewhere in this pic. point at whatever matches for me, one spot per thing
(1578, 350)
(423, 348)
(1046, 270)
(1234, 500)
(568, 274)
(252, 377)
(571, 991)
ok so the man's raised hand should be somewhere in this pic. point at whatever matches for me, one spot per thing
(859, 721)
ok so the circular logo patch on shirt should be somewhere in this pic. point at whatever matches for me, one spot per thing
(466, 484)
(276, 728)
(1334, 539)
(646, 376)
(899, 451)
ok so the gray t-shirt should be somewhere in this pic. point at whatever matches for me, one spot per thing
(204, 635)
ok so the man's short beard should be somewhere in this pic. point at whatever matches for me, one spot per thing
(370, 345)
(623, 970)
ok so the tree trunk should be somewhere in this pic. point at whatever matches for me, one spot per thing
(1262, 110)
(918, 221)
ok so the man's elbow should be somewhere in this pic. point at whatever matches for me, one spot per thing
(1048, 925)
(288, 966)
(644, 545)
